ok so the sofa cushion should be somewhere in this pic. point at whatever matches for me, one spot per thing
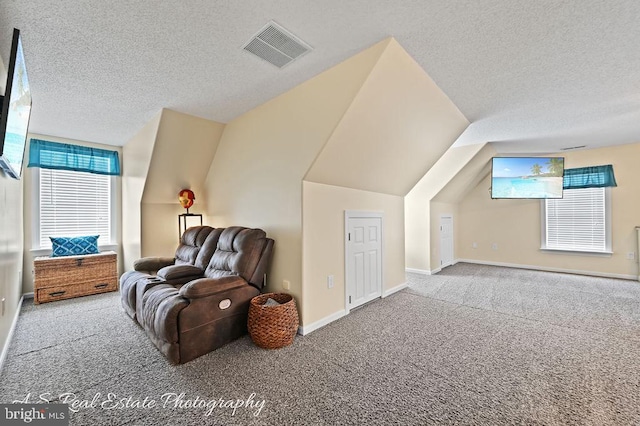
(238, 253)
(152, 264)
(142, 286)
(74, 246)
(180, 272)
(128, 283)
(208, 248)
(190, 243)
(205, 287)
(161, 305)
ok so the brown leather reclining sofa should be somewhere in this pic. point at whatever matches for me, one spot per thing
(189, 263)
(199, 300)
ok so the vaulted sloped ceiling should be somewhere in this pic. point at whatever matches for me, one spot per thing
(182, 154)
(438, 177)
(536, 76)
(468, 177)
(173, 151)
(396, 128)
(450, 176)
(256, 176)
(268, 150)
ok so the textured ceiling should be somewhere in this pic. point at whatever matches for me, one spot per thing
(531, 76)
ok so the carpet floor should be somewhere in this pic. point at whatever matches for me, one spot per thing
(472, 345)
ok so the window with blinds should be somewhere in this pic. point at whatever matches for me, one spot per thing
(74, 204)
(578, 221)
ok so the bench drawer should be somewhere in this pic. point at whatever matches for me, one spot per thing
(57, 278)
(50, 294)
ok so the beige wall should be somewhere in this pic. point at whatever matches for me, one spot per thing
(183, 150)
(423, 254)
(396, 128)
(466, 179)
(514, 225)
(31, 247)
(255, 179)
(418, 216)
(323, 243)
(11, 249)
(136, 160)
(373, 124)
(11, 242)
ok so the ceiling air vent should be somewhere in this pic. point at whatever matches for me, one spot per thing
(276, 45)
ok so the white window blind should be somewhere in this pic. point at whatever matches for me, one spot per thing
(578, 221)
(74, 204)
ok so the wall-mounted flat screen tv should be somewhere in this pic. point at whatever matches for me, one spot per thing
(526, 177)
(16, 111)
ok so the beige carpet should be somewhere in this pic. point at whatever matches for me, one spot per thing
(471, 345)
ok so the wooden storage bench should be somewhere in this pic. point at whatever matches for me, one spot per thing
(57, 278)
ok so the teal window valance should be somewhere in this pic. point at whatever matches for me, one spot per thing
(589, 177)
(63, 156)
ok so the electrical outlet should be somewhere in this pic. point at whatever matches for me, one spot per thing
(330, 281)
(286, 285)
(631, 255)
(494, 246)
(474, 245)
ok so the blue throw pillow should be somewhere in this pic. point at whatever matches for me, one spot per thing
(74, 246)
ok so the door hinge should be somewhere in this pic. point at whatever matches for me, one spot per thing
(349, 236)
(349, 299)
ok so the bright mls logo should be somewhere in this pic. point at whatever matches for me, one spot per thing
(34, 414)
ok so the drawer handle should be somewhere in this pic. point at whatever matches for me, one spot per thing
(79, 261)
(101, 285)
(57, 293)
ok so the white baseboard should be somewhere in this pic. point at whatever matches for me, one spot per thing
(28, 295)
(417, 271)
(304, 330)
(549, 269)
(7, 343)
(422, 271)
(395, 289)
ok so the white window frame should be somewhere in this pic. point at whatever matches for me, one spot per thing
(608, 241)
(35, 225)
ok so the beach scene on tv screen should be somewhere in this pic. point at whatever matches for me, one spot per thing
(18, 115)
(527, 177)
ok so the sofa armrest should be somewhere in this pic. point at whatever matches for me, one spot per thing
(182, 273)
(205, 287)
(152, 263)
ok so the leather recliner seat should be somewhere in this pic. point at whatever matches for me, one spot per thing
(192, 256)
(188, 319)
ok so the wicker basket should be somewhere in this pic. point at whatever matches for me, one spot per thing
(273, 327)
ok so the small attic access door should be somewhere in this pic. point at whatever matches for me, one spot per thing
(363, 257)
(446, 240)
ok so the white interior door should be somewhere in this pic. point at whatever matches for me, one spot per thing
(446, 241)
(363, 260)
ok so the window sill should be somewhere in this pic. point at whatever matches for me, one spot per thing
(606, 253)
(47, 251)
